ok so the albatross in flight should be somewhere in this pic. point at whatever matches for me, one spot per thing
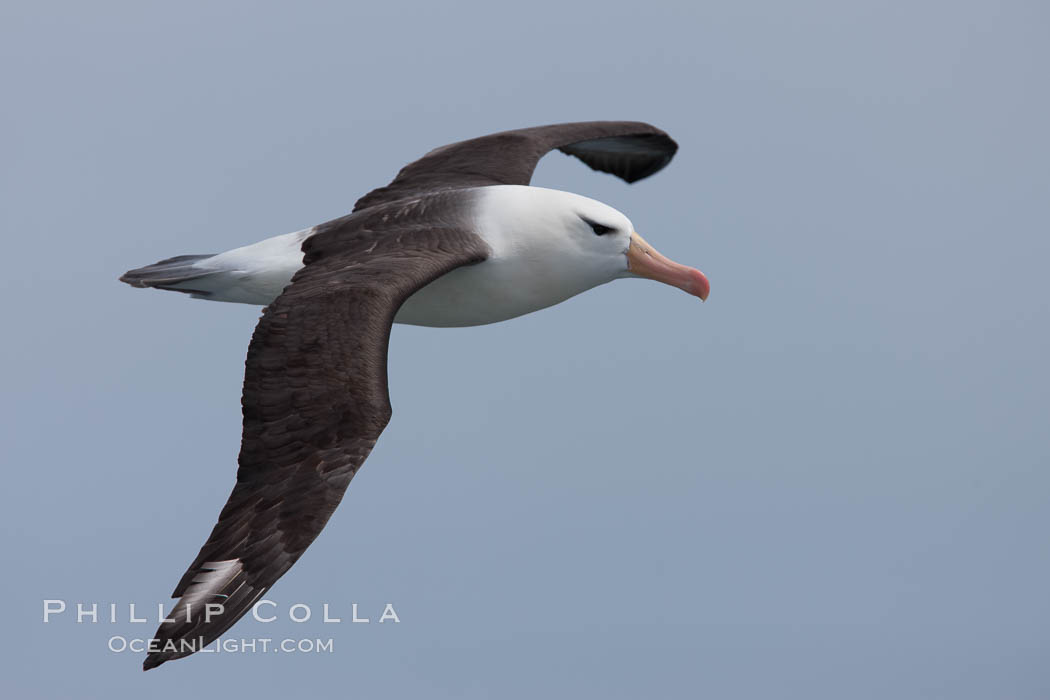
(459, 238)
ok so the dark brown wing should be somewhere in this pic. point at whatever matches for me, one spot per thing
(315, 401)
(628, 150)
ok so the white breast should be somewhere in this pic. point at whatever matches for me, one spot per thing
(534, 263)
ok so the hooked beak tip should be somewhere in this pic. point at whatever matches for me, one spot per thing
(701, 285)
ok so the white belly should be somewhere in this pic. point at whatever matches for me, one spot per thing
(491, 291)
(488, 292)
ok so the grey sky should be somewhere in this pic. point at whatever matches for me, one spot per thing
(830, 481)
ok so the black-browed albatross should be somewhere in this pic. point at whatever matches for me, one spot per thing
(459, 238)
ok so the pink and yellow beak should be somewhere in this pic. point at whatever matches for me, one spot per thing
(644, 261)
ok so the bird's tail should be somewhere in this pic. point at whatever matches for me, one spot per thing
(251, 274)
(176, 274)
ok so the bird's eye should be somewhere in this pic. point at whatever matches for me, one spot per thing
(599, 229)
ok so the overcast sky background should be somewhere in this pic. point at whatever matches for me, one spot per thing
(829, 481)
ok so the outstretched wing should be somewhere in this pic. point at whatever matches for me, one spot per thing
(628, 150)
(315, 401)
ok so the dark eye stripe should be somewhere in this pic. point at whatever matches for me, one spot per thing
(599, 229)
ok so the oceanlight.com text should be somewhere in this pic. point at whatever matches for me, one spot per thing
(119, 644)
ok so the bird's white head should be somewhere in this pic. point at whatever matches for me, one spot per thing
(567, 243)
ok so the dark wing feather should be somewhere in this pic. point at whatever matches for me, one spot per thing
(628, 150)
(315, 401)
